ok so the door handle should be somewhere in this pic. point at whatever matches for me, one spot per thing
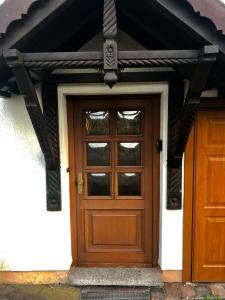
(80, 183)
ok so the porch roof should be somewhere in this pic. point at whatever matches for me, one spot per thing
(11, 11)
(31, 26)
(51, 32)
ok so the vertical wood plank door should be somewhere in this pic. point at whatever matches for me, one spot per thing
(209, 215)
(117, 179)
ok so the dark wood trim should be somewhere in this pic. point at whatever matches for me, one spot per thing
(192, 101)
(156, 181)
(66, 56)
(71, 169)
(174, 175)
(94, 59)
(188, 206)
(53, 175)
(181, 120)
(26, 87)
(140, 54)
(151, 54)
(45, 127)
(110, 49)
(123, 77)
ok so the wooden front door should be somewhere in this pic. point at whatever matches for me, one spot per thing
(209, 200)
(117, 179)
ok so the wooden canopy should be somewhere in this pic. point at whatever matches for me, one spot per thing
(49, 26)
(50, 34)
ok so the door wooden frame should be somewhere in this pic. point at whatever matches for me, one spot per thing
(73, 201)
(71, 170)
(189, 190)
(189, 164)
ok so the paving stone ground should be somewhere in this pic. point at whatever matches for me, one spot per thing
(38, 292)
(171, 291)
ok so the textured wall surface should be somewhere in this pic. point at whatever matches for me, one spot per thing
(30, 237)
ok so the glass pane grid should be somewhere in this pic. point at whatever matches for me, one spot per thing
(129, 184)
(97, 122)
(99, 184)
(98, 153)
(129, 122)
(113, 156)
(128, 153)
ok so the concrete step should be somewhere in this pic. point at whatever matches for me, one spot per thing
(137, 277)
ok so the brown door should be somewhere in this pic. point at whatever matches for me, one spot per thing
(209, 226)
(116, 171)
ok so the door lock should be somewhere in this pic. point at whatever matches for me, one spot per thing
(159, 145)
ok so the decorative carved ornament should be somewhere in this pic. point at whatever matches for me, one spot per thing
(110, 55)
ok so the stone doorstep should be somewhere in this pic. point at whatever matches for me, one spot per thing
(139, 277)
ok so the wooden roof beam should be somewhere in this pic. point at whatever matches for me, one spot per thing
(94, 59)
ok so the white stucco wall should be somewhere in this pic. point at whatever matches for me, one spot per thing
(31, 237)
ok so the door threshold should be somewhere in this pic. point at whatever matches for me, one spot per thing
(138, 277)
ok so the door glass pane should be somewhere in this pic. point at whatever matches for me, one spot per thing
(98, 184)
(129, 184)
(128, 122)
(97, 122)
(129, 154)
(98, 154)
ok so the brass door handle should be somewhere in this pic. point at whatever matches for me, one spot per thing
(80, 183)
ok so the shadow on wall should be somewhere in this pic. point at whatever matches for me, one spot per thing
(17, 131)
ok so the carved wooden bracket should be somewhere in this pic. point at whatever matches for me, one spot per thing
(110, 51)
(53, 176)
(174, 175)
(183, 122)
(42, 127)
(208, 56)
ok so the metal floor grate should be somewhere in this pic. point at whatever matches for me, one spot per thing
(103, 294)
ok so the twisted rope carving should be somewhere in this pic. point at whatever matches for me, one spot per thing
(99, 63)
(174, 184)
(53, 64)
(109, 19)
(190, 112)
(53, 179)
(156, 62)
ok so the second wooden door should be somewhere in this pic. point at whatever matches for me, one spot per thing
(209, 210)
